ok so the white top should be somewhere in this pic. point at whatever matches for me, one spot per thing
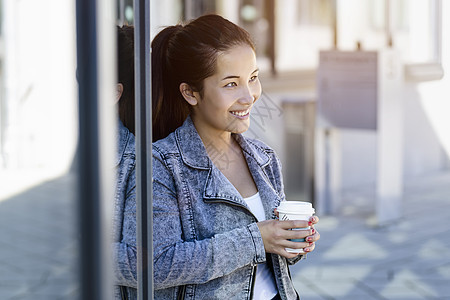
(265, 287)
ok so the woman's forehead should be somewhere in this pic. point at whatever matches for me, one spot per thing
(240, 59)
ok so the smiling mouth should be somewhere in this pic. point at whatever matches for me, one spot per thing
(242, 113)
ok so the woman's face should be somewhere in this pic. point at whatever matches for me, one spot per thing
(229, 94)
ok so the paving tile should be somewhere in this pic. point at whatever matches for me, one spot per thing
(355, 246)
(444, 271)
(10, 292)
(65, 288)
(332, 289)
(309, 291)
(440, 288)
(38, 243)
(310, 297)
(34, 296)
(343, 289)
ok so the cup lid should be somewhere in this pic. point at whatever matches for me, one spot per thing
(296, 207)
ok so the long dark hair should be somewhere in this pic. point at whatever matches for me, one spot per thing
(187, 54)
(125, 64)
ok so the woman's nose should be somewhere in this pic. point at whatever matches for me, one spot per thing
(248, 100)
(248, 97)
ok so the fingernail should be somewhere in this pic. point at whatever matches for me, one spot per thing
(313, 219)
(309, 239)
(310, 244)
(310, 223)
(307, 249)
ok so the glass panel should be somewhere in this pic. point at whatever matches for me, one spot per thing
(38, 229)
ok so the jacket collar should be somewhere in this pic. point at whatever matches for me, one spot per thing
(193, 151)
(217, 187)
(122, 140)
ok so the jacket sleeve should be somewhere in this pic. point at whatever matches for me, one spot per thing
(125, 250)
(179, 262)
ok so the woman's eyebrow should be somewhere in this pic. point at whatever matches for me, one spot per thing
(237, 77)
(231, 76)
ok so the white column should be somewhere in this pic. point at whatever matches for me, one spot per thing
(390, 138)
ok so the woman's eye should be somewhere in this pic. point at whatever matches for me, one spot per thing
(231, 84)
(253, 78)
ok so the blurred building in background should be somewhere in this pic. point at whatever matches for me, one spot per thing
(38, 86)
(39, 112)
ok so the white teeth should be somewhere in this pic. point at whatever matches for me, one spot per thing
(241, 113)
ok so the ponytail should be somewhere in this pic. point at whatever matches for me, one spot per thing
(168, 106)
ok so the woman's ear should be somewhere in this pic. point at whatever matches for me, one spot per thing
(188, 94)
(119, 92)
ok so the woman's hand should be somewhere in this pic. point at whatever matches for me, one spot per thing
(276, 235)
(315, 237)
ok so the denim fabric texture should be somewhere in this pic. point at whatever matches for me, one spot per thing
(206, 241)
(124, 219)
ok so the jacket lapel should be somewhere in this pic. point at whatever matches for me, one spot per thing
(193, 153)
(218, 187)
(258, 160)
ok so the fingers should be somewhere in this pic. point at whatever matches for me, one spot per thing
(298, 234)
(278, 235)
(295, 245)
(299, 240)
(312, 239)
(308, 245)
(310, 248)
(289, 224)
(316, 236)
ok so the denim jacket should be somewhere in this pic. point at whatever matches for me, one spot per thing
(206, 241)
(124, 218)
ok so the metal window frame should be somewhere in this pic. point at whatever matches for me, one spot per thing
(95, 260)
(96, 141)
(144, 169)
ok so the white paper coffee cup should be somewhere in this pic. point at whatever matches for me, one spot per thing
(295, 210)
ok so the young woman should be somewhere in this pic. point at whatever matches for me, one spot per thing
(215, 191)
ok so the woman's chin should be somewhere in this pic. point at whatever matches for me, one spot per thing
(241, 129)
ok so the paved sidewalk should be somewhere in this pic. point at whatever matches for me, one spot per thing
(353, 260)
(405, 261)
(38, 242)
